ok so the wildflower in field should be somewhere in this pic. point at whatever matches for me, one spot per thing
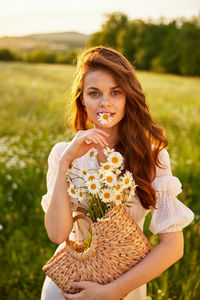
(104, 118)
(115, 159)
(93, 153)
(8, 177)
(14, 186)
(1, 227)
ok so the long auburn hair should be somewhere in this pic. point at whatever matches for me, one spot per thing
(140, 138)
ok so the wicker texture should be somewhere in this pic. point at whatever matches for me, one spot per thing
(117, 245)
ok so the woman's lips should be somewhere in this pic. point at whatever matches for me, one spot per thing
(106, 113)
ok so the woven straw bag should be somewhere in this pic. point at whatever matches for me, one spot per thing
(117, 245)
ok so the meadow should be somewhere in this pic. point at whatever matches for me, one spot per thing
(33, 101)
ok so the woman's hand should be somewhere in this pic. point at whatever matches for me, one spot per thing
(79, 147)
(91, 291)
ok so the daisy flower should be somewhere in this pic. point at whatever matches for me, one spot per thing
(106, 195)
(104, 118)
(110, 179)
(84, 172)
(93, 187)
(91, 177)
(108, 151)
(106, 167)
(118, 199)
(80, 195)
(92, 153)
(72, 191)
(118, 187)
(127, 179)
(115, 159)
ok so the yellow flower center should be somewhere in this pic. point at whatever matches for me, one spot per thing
(118, 197)
(105, 117)
(93, 186)
(91, 153)
(107, 195)
(127, 180)
(81, 194)
(109, 179)
(117, 187)
(91, 177)
(73, 191)
(101, 176)
(106, 167)
(84, 172)
(115, 159)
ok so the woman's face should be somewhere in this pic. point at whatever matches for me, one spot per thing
(102, 94)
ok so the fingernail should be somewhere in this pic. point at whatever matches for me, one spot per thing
(71, 284)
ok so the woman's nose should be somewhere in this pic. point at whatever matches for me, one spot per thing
(105, 100)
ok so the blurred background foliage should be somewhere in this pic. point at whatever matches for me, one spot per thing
(172, 47)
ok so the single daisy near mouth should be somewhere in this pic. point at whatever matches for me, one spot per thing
(105, 118)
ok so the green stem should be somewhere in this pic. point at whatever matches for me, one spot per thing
(99, 205)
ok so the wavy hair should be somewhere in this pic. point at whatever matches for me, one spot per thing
(140, 138)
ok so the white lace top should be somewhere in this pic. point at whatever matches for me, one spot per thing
(171, 215)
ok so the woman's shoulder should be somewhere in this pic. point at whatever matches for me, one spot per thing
(57, 150)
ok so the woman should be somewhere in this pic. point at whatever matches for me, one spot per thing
(106, 83)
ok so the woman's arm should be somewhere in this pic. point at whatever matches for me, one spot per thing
(166, 253)
(58, 218)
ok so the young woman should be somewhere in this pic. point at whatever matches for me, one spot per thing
(106, 83)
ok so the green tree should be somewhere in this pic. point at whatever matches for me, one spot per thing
(108, 35)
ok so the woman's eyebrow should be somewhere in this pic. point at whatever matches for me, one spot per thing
(94, 88)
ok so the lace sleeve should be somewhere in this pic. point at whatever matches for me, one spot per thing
(53, 159)
(171, 214)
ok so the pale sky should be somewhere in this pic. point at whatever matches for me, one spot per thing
(22, 17)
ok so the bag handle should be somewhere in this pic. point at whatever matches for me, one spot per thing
(76, 218)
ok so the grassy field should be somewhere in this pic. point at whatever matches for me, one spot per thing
(32, 104)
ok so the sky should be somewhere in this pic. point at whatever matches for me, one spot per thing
(22, 17)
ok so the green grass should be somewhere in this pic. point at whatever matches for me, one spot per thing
(33, 100)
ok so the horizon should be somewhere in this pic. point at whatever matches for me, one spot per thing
(22, 18)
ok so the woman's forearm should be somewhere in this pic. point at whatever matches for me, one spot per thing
(157, 261)
(58, 218)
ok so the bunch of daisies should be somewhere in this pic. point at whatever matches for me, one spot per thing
(103, 188)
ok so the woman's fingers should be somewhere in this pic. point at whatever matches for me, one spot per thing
(101, 131)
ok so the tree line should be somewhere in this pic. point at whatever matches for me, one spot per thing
(172, 47)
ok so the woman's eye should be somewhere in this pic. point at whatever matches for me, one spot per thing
(116, 92)
(93, 94)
